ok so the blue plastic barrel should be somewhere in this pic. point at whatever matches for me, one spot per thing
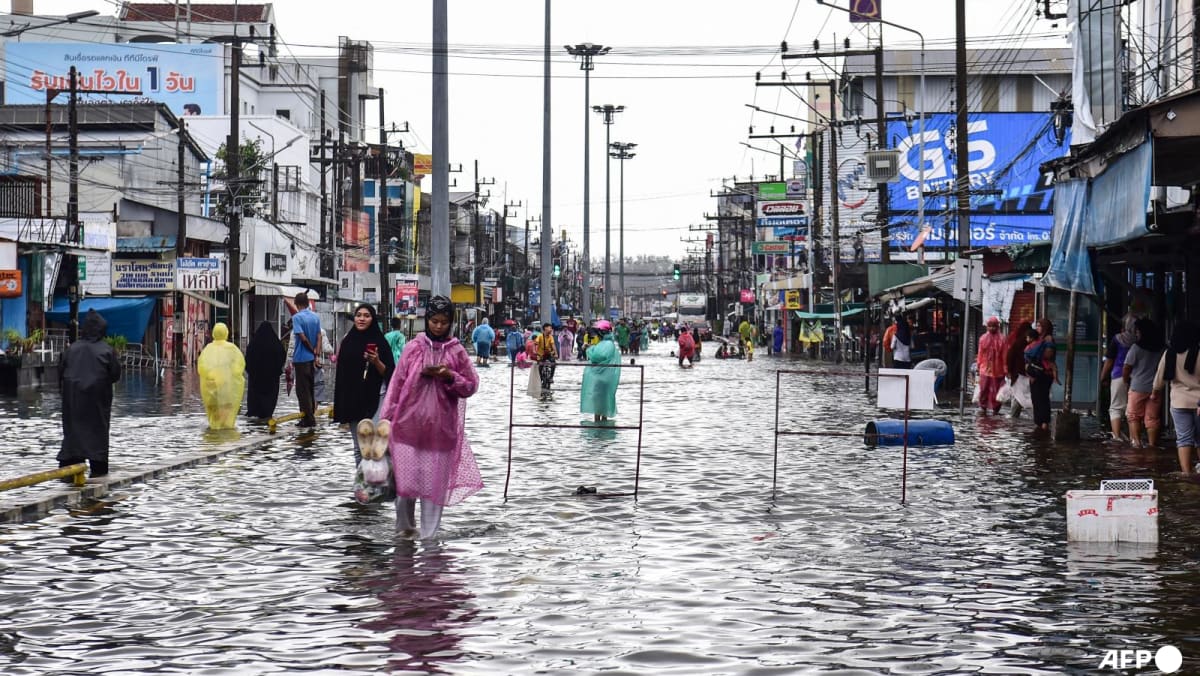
(890, 432)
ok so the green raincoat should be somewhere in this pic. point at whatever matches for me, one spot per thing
(598, 395)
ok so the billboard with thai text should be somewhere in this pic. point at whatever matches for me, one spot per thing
(1011, 199)
(188, 78)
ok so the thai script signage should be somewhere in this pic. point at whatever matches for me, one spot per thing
(199, 274)
(188, 78)
(143, 275)
(762, 248)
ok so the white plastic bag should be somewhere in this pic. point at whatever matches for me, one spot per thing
(1005, 394)
(1021, 392)
(535, 383)
(975, 394)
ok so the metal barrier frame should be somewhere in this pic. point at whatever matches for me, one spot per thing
(637, 471)
(847, 374)
(273, 423)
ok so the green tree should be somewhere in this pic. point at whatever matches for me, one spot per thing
(248, 193)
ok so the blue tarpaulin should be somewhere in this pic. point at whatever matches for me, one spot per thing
(1108, 210)
(125, 316)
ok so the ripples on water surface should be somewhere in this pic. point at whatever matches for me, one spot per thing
(260, 563)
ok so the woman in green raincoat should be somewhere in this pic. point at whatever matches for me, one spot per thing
(598, 395)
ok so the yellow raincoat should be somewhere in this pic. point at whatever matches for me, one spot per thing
(222, 379)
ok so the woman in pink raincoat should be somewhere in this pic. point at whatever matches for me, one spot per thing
(427, 404)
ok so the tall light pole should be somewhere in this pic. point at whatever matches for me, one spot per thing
(439, 236)
(920, 108)
(543, 310)
(586, 52)
(609, 112)
(621, 151)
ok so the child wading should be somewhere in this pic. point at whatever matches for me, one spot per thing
(427, 405)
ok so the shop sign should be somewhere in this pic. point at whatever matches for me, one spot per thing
(10, 283)
(766, 248)
(199, 274)
(143, 275)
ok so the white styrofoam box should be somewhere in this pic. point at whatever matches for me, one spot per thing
(1112, 516)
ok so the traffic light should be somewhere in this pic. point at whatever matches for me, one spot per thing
(676, 272)
(557, 270)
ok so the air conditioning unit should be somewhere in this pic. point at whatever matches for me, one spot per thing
(883, 166)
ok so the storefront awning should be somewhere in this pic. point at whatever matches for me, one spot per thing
(127, 316)
(930, 283)
(800, 314)
(284, 290)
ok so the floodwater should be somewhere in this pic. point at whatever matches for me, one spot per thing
(261, 563)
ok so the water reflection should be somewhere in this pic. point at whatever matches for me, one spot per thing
(424, 608)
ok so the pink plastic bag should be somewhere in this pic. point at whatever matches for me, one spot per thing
(429, 422)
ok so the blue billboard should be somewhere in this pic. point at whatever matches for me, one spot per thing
(188, 78)
(1011, 201)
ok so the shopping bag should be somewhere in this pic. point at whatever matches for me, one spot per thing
(535, 383)
(1005, 394)
(366, 492)
(975, 395)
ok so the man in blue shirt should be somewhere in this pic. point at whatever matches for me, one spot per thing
(306, 327)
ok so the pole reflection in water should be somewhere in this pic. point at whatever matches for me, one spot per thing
(424, 607)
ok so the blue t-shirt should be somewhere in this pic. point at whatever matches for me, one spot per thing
(307, 322)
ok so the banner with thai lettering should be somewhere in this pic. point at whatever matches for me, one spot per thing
(199, 274)
(188, 78)
(143, 275)
(1011, 199)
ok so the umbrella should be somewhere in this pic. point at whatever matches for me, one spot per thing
(509, 322)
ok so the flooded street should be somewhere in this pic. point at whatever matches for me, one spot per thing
(262, 563)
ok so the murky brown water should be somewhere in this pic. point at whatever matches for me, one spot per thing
(261, 563)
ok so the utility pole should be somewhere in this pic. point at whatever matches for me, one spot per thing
(382, 218)
(477, 231)
(609, 112)
(587, 52)
(833, 206)
(621, 152)
(324, 227)
(962, 170)
(440, 227)
(71, 262)
(232, 185)
(547, 221)
(180, 240)
(881, 188)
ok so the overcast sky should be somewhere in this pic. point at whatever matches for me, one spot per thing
(683, 69)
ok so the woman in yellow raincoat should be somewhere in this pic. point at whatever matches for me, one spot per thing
(222, 379)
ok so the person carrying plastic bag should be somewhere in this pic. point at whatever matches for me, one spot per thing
(222, 379)
(426, 404)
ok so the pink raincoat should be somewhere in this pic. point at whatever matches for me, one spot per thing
(431, 457)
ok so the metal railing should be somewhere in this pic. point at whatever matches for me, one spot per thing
(75, 472)
(823, 433)
(272, 423)
(641, 414)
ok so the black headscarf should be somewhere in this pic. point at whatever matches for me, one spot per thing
(93, 327)
(356, 389)
(1186, 339)
(438, 305)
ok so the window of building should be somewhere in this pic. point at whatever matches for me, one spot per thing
(284, 113)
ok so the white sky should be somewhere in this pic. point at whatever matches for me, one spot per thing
(685, 109)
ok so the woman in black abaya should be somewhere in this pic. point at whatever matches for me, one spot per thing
(265, 358)
(364, 366)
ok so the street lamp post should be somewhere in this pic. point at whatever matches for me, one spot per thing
(586, 52)
(920, 107)
(609, 111)
(621, 151)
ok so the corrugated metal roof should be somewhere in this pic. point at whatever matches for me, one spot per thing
(156, 244)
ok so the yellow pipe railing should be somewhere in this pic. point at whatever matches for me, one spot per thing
(275, 422)
(75, 471)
